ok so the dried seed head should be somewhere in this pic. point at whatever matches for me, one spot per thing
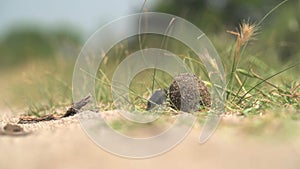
(246, 32)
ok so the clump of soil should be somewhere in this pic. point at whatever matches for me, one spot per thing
(13, 130)
(188, 93)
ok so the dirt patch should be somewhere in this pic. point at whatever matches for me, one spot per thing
(62, 144)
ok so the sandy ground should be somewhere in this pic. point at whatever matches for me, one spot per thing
(66, 146)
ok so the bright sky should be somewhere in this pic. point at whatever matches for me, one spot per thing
(85, 15)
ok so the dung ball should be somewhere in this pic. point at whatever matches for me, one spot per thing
(188, 93)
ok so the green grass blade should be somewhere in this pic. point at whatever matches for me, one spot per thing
(264, 80)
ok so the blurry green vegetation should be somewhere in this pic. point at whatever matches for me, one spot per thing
(38, 87)
(21, 45)
(279, 37)
(46, 80)
(36, 68)
(262, 78)
(142, 84)
(216, 15)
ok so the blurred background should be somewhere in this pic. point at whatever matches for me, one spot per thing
(40, 40)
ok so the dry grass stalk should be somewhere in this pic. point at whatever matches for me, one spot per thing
(245, 33)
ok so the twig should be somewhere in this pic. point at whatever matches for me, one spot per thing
(70, 112)
(77, 106)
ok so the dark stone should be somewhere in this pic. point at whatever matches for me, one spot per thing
(157, 98)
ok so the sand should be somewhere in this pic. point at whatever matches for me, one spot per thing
(64, 145)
